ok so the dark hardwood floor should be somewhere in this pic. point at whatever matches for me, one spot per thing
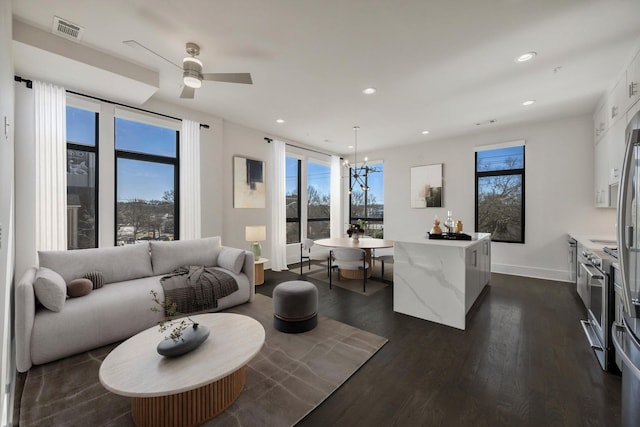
(523, 361)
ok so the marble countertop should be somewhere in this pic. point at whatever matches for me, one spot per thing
(442, 242)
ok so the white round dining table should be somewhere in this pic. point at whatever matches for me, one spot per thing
(365, 243)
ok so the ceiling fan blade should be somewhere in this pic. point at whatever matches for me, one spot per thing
(188, 92)
(137, 45)
(244, 78)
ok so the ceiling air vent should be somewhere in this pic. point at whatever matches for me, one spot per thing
(67, 29)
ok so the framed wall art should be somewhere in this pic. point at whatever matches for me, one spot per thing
(249, 186)
(426, 186)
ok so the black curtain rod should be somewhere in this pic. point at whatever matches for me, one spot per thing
(29, 84)
(297, 146)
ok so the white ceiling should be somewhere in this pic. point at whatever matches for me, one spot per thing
(440, 66)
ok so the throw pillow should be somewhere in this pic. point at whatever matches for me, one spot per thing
(96, 278)
(79, 287)
(231, 258)
(50, 289)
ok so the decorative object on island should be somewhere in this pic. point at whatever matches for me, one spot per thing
(436, 226)
(448, 224)
(249, 189)
(255, 234)
(186, 334)
(458, 227)
(358, 175)
(426, 186)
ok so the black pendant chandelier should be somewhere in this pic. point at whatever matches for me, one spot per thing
(358, 175)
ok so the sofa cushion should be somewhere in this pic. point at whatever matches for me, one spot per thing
(96, 278)
(167, 256)
(116, 263)
(79, 287)
(50, 288)
(232, 259)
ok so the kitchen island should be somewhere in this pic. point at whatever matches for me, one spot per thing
(439, 280)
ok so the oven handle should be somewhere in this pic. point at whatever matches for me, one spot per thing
(586, 325)
(593, 273)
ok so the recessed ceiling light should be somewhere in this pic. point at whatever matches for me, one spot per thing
(370, 91)
(349, 146)
(529, 102)
(526, 57)
(425, 132)
(279, 121)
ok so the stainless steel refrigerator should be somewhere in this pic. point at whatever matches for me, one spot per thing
(626, 336)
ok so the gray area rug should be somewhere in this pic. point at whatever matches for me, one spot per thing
(374, 283)
(292, 374)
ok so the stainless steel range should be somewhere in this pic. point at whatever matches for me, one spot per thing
(595, 287)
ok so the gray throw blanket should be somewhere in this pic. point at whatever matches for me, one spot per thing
(195, 288)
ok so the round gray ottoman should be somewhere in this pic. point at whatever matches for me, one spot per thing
(295, 306)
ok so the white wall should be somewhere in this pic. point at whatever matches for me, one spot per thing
(250, 143)
(6, 212)
(558, 192)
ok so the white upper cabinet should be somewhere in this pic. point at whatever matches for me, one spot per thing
(617, 101)
(601, 176)
(633, 81)
(600, 122)
(616, 142)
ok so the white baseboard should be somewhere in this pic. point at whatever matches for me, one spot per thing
(533, 272)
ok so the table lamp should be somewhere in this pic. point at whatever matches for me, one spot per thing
(255, 234)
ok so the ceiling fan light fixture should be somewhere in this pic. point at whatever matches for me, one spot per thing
(192, 81)
(192, 72)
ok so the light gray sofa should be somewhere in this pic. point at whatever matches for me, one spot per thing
(122, 307)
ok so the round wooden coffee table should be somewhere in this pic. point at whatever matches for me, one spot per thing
(190, 389)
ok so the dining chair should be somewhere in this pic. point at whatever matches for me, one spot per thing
(305, 246)
(348, 259)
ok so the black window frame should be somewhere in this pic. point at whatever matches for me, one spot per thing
(319, 219)
(95, 150)
(504, 172)
(153, 158)
(368, 219)
(299, 204)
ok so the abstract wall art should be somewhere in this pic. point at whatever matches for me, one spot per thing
(249, 186)
(426, 186)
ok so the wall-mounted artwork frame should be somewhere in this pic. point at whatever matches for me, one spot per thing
(426, 186)
(249, 186)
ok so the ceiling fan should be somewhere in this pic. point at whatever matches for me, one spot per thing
(192, 74)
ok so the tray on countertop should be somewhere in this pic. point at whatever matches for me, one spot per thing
(449, 236)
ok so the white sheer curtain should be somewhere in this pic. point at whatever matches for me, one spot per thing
(190, 215)
(336, 198)
(50, 167)
(278, 208)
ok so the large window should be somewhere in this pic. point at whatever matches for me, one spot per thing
(146, 182)
(500, 193)
(293, 176)
(367, 201)
(82, 208)
(314, 221)
(318, 200)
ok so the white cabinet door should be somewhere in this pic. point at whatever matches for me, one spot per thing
(617, 102)
(601, 178)
(472, 277)
(616, 142)
(633, 82)
(599, 122)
